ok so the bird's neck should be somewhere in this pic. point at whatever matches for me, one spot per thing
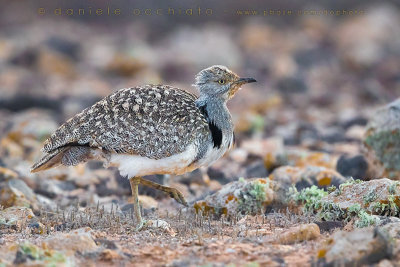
(216, 111)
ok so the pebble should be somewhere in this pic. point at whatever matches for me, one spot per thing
(299, 233)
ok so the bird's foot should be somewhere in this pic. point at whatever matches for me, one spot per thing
(178, 196)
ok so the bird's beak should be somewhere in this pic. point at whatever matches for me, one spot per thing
(245, 80)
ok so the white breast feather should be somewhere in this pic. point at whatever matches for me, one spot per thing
(134, 165)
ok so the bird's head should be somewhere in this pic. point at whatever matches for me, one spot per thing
(219, 81)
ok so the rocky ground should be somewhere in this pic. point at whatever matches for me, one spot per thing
(312, 180)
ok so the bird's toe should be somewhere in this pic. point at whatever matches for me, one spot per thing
(178, 196)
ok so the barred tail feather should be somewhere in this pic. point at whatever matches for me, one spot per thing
(50, 160)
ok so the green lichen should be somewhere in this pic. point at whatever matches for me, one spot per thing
(370, 196)
(46, 257)
(386, 145)
(351, 181)
(252, 197)
(310, 197)
(330, 212)
(31, 250)
(389, 208)
(393, 188)
(331, 189)
(365, 219)
(312, 200)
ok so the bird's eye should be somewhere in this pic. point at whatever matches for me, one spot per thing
(222, 81)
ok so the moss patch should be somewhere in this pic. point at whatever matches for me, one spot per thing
(43, 257)
(312, 200)
(386, 145)
(252, 198)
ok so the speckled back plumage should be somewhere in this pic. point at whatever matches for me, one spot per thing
(153, 121)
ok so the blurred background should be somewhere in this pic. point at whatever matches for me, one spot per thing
(321, 69)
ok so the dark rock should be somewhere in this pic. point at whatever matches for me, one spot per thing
(102, 189)
(357, 248)
(303, 131)
(123, 184)
(337, 137)
(26, 58)
(310, 57)
(108, 244)
(64, 46)
(291, 85)
(53, 188)
(195, 176)
(382, 141)
(217, 175)
(355, 167)
(21, 102)
(328, 226)
(354, 121)
(256, 169)
(21, 257)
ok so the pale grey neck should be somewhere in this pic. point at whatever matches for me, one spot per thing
(217, 112)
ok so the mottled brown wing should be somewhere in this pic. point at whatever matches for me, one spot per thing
(151, 121)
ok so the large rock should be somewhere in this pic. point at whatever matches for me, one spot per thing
(364, 203)
(382, 141)
(299, 233)
(379, 197)
(250, 196)
(361, 246)
(77, 240)
(31, 255)
(15, 192)
(16, 216)
(355, 167)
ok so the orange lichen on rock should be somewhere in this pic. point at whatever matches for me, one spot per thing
(230, 198)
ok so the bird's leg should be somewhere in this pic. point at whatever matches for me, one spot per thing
(135, 181)
(172, 192)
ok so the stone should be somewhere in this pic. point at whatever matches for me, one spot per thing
(124, 65)
(256, 169)
(32, 255)
(64, 46)
(382, 141)
(263, 147)
(299, 233)
(108, 244)
(303, 158)
(290, 85)
(218, 175)
(109, 255)
(358, 247)
(379, 197)
(7, 174)
(15, 192)
(239, 155)
(16, 216)
(303, 177)
(77, 240)
(160, 224)
(355, 167)
(250, 196)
